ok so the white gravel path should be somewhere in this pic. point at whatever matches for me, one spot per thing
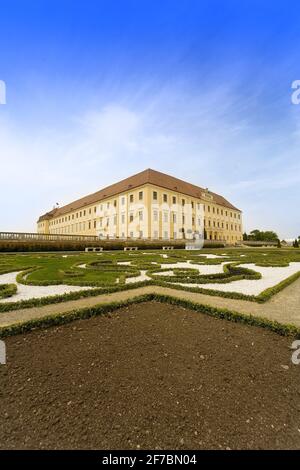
(215, 256)
(29, 292)
(203, 268)
(165, 273)
(142, 277)
(271, 276)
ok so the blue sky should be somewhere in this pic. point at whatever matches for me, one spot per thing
(99, 90)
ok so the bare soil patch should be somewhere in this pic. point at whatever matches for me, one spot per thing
(151, 376)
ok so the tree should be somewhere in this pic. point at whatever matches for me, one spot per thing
(278, 243)
(261, 236)
(296, 243)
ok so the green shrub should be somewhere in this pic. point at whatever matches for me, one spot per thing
(7, 290)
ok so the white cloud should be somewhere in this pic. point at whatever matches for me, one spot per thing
(206, 138)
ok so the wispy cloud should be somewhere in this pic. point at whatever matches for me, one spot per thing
(206, 136)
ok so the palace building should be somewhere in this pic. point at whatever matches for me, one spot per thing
(148, 205)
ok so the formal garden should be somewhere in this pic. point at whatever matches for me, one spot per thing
(132, 349)
(252, 274)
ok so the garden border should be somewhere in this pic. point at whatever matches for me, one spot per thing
(85, 313)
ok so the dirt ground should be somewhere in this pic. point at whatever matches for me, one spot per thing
(151, 376)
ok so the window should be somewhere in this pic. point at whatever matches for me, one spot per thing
(131, 234)
(131, 198)
(174, 218)
(174, 235)
(155, 234)
(154, 195)
(166, 218)
(115, 220)
(165, 198)
(123, 201)
(80, 214)
(140, 216)
(89, 225)
(183, 220)
(90, 210)
(182, 202)
(95, 223)
(174, 199)
(193, 220)
(131, 218)
(155, 216)
(208, 208)
(140, 195)
(115, 203)
(166, 234)
(107, 205)
(192, 204)
(76, 215)
(123, 218)
(141, 234)
(84, 212)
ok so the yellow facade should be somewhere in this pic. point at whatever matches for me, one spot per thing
(150, 212)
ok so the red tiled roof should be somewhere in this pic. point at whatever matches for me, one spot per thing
(147, 176)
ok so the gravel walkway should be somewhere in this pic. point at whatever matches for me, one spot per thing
(283, 307)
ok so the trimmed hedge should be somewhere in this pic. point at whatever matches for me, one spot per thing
(7, 246)
(232, 272)
(39, 302)
(268, 293)
(60, 319)
(7, 290)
